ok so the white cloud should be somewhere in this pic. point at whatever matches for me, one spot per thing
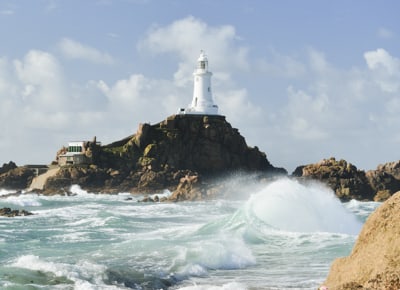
(42, 82)
(318, 61)
(306, 115)
(385, 69)
(75, 50)
(186, 37)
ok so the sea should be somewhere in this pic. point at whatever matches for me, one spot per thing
(278, 235)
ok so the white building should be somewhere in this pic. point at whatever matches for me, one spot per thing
(202, 103)
(75, 154)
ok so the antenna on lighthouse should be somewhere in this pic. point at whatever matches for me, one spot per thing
(202, 102)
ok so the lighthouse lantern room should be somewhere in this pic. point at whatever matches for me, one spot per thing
(202, 102)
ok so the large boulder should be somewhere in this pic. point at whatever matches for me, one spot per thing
(374, 261)
(343, 177)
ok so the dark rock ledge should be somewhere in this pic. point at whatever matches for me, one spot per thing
(8, 212)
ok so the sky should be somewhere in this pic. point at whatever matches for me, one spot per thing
(301, 80)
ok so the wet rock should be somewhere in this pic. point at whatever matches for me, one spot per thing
(8, 212)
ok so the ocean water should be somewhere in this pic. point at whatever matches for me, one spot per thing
(283, 235)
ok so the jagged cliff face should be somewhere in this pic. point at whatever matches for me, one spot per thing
(159, 155)
(206, 144)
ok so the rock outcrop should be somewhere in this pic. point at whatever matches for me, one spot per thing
(8, 212)
(16, 178)
(385, 180)
(350, 183)
(344, 178)
(374, 261)
(7, 167)
(158, 156)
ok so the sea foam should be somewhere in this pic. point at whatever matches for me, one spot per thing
(24, 200)
(294, 207)
(228, 286)
(84, 274)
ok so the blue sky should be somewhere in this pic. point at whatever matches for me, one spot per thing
(302, 80)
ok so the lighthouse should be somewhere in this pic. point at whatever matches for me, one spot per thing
(202, 102)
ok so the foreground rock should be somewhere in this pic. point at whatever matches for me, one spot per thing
(374, 261)
(8, 212)
(158, 156)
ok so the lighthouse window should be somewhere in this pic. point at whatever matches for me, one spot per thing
(203, 64)
(209, 89)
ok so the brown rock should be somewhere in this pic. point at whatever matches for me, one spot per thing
(374, 261)
(17, 178)
(157, 156)
(188, 189)
(385, 180)
(344, 178)
(393, 168)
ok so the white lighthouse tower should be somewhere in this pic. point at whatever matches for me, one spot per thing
(202, 103)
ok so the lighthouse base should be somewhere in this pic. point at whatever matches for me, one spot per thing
(213, 110)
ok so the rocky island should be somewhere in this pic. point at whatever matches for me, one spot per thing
(182, 148)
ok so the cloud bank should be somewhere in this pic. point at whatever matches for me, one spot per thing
(319, 110)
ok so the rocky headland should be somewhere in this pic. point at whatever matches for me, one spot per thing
(184, 153)
(374, 261)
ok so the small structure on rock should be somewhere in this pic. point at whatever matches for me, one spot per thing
(77, 152)
(202, 102)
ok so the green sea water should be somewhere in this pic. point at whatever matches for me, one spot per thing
(279, 236)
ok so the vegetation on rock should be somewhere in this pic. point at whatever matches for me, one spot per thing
(158, 156)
